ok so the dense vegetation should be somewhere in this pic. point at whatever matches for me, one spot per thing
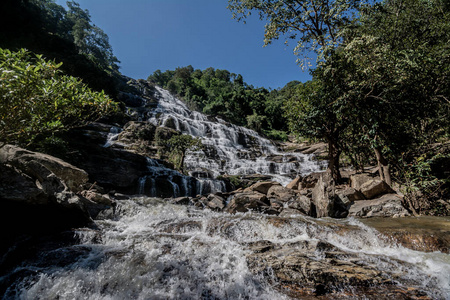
(224, 94)
(380, 91)
(67, 36)
(38, 99)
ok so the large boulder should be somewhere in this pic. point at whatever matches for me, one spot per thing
(323, 195)
(262, 186)
(351, 194)
(310, 180)
(357, 180)
(34, 181)
(389, 205)
(43, 167)
(298, 272)
(327, 203)
(247, 201)
(374, 188)
(19, 187)
(281, 197)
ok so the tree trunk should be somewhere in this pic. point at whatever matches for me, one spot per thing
(383, 166)
(333, 161)
(182, 163)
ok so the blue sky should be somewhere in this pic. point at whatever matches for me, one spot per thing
(147, 35)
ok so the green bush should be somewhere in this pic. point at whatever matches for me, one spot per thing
(37, 99)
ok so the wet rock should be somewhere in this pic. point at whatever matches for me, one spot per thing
(289, 212)
(247, 201)
(299, 273)
(374, 188)
(215, 202)
(425, 233)
(119, 196)
(262, 186)
(389, 205)
(97, 197)
(181, 200)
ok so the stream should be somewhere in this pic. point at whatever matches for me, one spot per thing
(150, 249)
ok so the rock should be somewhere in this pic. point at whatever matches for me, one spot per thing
(262, 186)
(290, 212)
(318, 148)
(375, 187)
(247, 201)
(281, 197)
(389, 205)
(215, 202)
(97, 197)
(351, 194)
(310, 180)
(304, 204)
(119, 196)
(295, 184)
(181, 200)
(18, 187)
(341, 206)
(281, 194)
(39, 166)
(298, 273)
(424, 233)
(323, 196)
(357, 180)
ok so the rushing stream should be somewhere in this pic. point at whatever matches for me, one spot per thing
(154, 250)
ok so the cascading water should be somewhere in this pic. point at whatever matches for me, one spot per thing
(230, 149)
(112, 136)
(154, 250)
(161, 181)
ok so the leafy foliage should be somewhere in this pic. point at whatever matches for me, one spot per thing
(316, 25)
(38, 99)
(177, 146)
(387, 88)
(67, 36)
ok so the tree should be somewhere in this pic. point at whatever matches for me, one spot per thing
(90, 39)
(399, 76)
(312, 112)
(315, 24)
(37, 99)
(178, 145)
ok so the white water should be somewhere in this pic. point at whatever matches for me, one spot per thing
(112, 136)
(154, 250)
(232, 149)
(161, 181)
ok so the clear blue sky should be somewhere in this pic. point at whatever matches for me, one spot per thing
(147, 35)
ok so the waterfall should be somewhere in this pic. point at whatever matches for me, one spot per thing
(112, 136)
(230, 149)
(154, 250)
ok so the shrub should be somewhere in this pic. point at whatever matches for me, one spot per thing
(37, 99)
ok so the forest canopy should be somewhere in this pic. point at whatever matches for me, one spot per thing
(380, 91)
(68, 36)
